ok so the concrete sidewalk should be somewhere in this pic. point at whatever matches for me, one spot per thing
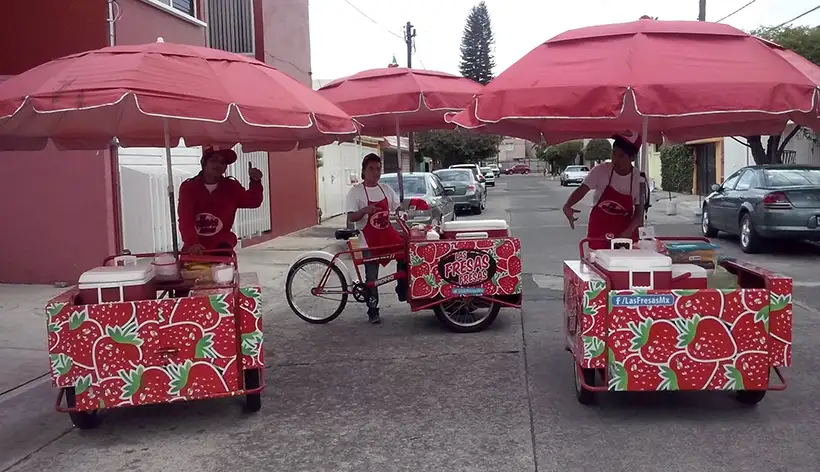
(23, 338)
(688, 206)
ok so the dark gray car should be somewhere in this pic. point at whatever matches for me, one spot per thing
(467, 192)
(437, 207)
(765, 202)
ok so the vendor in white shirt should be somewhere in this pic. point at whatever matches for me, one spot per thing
(369, 205)
(617, 211)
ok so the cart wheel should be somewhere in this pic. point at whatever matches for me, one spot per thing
(467, 315)
(310, 309)
(750, 397)
(81, 419)
(253, 401)
(584, 396)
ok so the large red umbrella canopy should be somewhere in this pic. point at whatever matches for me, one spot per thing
(417, 99)
(688, 79)
(203, 95)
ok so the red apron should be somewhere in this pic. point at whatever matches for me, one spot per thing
(379, 231)
(611, 215)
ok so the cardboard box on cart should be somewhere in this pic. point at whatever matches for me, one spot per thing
(707, 339)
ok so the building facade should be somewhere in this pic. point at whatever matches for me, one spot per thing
(64, 208)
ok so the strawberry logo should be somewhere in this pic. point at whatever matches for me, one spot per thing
(143, 385)
(118, 350)
(750, 371)
(698, 302)
(749, 331)
(427, 252)
(422, 287)
(705, 338)
(620, 343)
(654, 341)
(514, 265)
(633, 374)
(684, 373)
(614, 208)
(504, 249)
(379, 220)
(207, 224)
(203, 311)
(195, 380)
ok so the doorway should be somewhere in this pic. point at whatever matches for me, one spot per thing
(706, 164)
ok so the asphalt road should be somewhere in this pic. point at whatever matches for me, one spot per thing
(408, 396)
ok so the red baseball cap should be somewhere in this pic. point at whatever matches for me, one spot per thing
(228, 154)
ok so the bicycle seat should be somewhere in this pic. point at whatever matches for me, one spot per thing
(345, 234)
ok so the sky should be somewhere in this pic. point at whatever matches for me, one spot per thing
(347, 36)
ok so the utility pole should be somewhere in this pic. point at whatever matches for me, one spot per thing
(702, 11)
(409, 34)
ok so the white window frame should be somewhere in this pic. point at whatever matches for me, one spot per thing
(168, 7)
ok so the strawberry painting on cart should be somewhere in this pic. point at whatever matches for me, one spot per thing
(155, 351)
(707, 339)
(477, 267)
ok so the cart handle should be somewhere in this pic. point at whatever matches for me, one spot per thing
(587, 241)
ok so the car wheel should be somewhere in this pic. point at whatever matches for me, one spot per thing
(477, 210)
(749, 240)
(706, 224)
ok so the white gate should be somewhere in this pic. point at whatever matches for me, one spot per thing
(341, 169)
(146, 218)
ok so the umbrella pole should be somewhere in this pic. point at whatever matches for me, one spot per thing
(398, 159)
(171, 199)
(644, 164)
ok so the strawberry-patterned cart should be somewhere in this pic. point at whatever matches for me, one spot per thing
(637, 322)
(123, 338)
(465, 271)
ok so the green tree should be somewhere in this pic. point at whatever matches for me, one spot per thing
(598, 150)
(477, 63)
(477, 60)
(559, 156)
(804, 40)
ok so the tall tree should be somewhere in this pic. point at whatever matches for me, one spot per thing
(477, 58)
(477, 63)
(804, 40)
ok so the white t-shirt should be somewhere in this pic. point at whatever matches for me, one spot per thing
(357, 199)
(598, 180)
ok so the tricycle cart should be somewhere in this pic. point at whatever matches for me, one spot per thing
(122, 337)
(465, 272)
(637, 322)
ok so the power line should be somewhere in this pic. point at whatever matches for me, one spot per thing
(797, 17)
(372, 20)
(736, 11)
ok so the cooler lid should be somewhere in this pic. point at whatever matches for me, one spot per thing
(696, 271)
(474, 225)
(111, 275)
(640, 260)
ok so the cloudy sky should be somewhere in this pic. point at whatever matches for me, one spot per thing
(345, 41)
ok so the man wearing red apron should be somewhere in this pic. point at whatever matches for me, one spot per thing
(617, 211)
(369, 205)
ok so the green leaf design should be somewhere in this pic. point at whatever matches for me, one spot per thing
(517, 289)
(128, 334)
(779, 302)
(593, 347)
(641, 332)
(54, 309)
(77, 319)
(54, 328)
(251, 343)
(220, 304)
(735, 378)
(670, 379)
(684, 293)
(618, 377)
(205, 347)
(61, 364)
(82, 384)
(589, 309)
(179, 376)
(416, 260)
(251, 292)
(596, 287)
(763, 315)
(133, 380)
(688, 329)
(638, 292)
(431, 280)
(102, 404)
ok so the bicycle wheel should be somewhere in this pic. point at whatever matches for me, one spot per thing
(467, 315)
(321, 308)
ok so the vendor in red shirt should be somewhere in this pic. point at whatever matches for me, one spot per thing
(617, 211)
(208, 203)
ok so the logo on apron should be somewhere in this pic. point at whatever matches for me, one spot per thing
(207, 224)
(612, 207)
(380, 220)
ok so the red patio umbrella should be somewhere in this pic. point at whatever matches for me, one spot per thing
(155, 94)
(681, 80)
(395, 99)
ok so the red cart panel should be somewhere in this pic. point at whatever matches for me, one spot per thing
(468, 267)
(154, 351)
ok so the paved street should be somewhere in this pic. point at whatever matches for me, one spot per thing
(407, 395)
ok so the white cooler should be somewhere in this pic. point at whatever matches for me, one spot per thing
(689, 277)
(630, 269)
(472, 229)
(125, 283)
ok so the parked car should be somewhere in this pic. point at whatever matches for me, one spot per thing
(479, 176)
(518, 169)
(489, 176)
(765, 202)
(425, 199)
(467, 192)
(574, 175)
(496, 170)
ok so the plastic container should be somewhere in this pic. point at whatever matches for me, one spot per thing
(166, 267)
(493, 228)
(222, 273)
(126, 283)
(635, 269)
(689, 277)
(433, 235)
(697, 252)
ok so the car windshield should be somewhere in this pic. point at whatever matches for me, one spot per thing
(577, 169)
(792, 177)
(455, 175)
(413, 184)
(486, 169)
